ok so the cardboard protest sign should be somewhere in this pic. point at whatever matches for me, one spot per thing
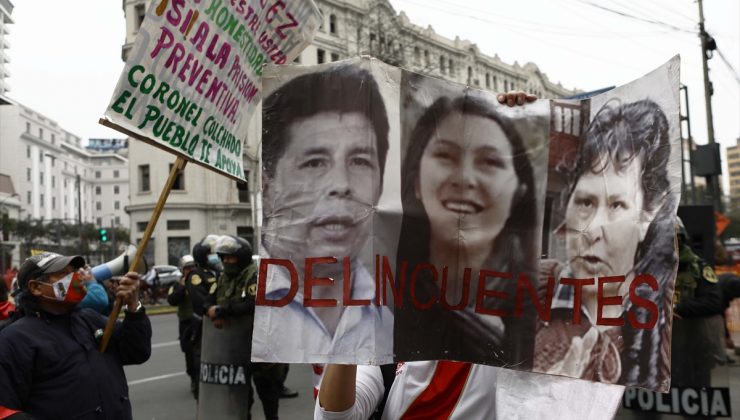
(192, 78)
(410, 218)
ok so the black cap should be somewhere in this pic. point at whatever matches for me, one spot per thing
(46, 263)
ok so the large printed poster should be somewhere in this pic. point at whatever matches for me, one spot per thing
(409, 218)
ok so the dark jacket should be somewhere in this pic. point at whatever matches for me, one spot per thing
(697, 292)
(192, 298)
(50, 366)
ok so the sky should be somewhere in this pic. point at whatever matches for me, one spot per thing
(66, 56)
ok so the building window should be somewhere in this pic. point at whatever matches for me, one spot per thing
(53, 138)
(41, 156)
(41, 178)
(116, 189)
(178, 224)
(115, 173)
(246, 232)
(97, 190)
(98, 205)
(177, 246)
(28, 152)
(452, 67)
(506, 85)
(141, 226)
(28, 197)
(97, 174)
(426, 58)
(320, 56)
(41, 200)
(117, 220)
(417, 55)
(243, 188)
(470, 75)
(28, 128)
(372, 40)
(179, 183)
(53, 202)
(488, 81)
(441, 64)
(334, 57)
(139, 12)
(333, 25)
(28, 174)
(116, 205)
(144, 178)
(53, 181)
(41, 133)
(99, 221)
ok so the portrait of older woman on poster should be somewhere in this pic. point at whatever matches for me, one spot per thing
(468, 195)
(619, 214)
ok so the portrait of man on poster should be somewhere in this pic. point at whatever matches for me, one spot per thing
(324, 148)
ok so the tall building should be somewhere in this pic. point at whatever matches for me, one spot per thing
(6, 8)
(55, 176)
(209, 203)
(733, 171)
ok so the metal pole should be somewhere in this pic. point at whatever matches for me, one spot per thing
(713, 183)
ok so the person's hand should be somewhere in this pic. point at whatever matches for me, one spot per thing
(127, 290)
(182, 280)
(86, 274)
(211, 312)
(515, 97)
(219, 323)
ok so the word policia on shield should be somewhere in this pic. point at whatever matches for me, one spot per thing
(409, 218)
(192, 79)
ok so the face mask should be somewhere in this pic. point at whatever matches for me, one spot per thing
(214, 261)
(232, 269)
(69, 288)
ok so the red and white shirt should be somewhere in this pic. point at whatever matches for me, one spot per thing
(454, 390)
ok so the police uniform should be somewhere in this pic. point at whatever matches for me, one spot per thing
(191, 299)
(235, 297)
(697, 327)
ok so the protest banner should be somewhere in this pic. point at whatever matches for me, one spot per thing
(410, 218)
(192, 80)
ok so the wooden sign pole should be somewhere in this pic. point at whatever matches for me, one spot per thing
(177, 168)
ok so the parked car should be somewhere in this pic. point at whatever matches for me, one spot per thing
(167, 275)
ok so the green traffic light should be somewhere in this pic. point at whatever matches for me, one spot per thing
(103, 235)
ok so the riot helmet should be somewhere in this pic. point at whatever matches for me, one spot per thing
(233, 245)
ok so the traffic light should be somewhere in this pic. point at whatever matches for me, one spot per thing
(103, 234)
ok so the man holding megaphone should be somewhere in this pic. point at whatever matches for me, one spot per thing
(49, 363)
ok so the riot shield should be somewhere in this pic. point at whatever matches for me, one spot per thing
(224, 370)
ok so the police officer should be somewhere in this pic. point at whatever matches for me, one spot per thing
(697, 293)
(697, 304)
(234, 297)
(190, 295)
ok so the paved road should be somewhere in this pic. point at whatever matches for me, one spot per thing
(160, 390)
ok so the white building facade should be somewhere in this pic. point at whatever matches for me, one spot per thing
(209, 203)
(55, 176)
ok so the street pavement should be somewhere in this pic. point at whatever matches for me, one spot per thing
(160, 390)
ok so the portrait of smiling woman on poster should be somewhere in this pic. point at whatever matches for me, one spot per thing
(468, 194)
